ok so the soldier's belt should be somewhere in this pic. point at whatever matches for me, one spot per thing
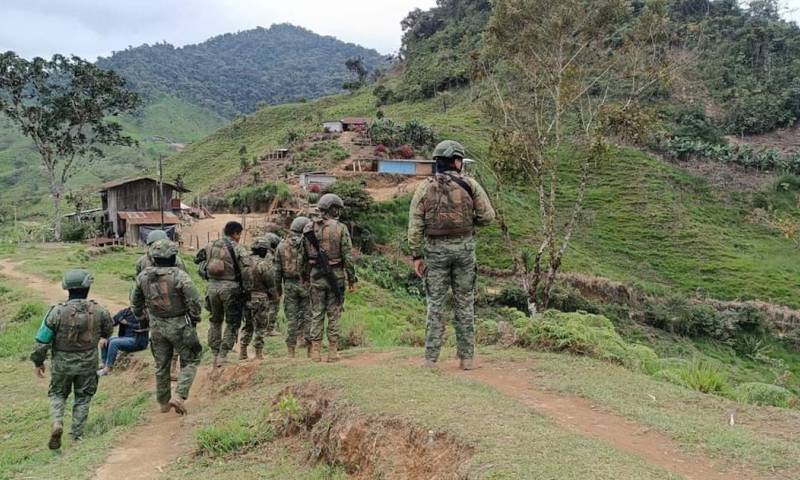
(332, 263)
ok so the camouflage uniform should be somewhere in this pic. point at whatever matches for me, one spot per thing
(73, 330)
(145, 261)
(225, 296)
(290, 262)
(440, 229)
(334, 238)
(262, 308)
(173, 305)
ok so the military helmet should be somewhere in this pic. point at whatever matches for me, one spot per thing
(299, 224)
(272, 240)
(163, 249)
(449, 149)
(77, 279)
(259, 244)
(330, 200)
(155, 236)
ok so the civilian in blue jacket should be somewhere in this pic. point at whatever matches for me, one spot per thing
(132, 338)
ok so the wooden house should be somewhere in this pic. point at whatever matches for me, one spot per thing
(412, 167)
(321, 179)
(133, 208)
(352, 124)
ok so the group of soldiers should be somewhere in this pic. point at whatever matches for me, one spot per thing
(309, 269)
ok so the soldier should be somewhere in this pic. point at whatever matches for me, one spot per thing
(442, 219)
(145, 260)
(73, 330)
(227, 272)
(173, 307)
(262, 309)
(327, 290)
(275, 303)
(290, 263)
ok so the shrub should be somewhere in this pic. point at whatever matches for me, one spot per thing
(513, 297)
(788, 182)
(486, 333)
(404, 151)
(752, 346)
(357, 202)
(28, 312)
(258, 198)
(76, 232)
(763, 394)
(697, 375)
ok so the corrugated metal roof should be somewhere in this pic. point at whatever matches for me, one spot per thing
(352, 120)
(149, 218)
(119, 183)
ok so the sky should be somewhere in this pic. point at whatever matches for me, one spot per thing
(91, 28)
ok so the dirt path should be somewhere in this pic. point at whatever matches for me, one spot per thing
(578, 415)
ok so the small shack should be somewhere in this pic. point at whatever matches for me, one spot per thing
(133, 208)
(352, 124)
(333, 127)
(321, 179)
(413, 167)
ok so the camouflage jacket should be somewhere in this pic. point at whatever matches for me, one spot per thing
(145, 261)
(220, 263)
(291, 261)
(483, 213)
(334, 238)
(262, 276)
(166, 293)
(72, 330)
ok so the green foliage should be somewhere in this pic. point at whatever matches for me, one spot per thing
(764, 394)
(236, 435)
(357, 202)
(76, 232)
(767, 159)
(324, 154)
(387, 132)
(28, 312)
(690, 122)
(232, 73)
(127, 414)
(258, 198)
(390, 274)
(700, 376)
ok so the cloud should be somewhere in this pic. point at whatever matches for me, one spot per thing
(97, 27)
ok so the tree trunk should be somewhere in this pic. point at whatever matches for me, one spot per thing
(56, 194)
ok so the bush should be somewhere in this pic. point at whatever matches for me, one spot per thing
(697, 375)
(404, 151)
(76, 232)
(357, 202)
(387, 132)
(763, 394)
(28, 312)
(513, 297)
(486, 333)
(258, 198)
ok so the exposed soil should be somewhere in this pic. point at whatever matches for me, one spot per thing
(371, 446)
(785, 140)
(729, 178)
(210, 229)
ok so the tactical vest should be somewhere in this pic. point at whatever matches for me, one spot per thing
(78, 327)
(329, 233)
(290, 256)
(449, 209)
(262, 274)
(161, 294)
(220, 263)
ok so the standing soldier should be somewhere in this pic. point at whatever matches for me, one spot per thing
(173, 307)
(273, 241)
(444, 213)
(227, 270)
(290, 263)
(73, 330)
(262, 309)
(328, 249)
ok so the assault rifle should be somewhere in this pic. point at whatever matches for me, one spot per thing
(324, 266)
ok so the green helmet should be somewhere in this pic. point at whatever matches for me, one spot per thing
(77, 279)
(273, 240)
(155, 236)
(449, 149)
(163, 249)
(299, 224)
(330, 200)
(259, 244)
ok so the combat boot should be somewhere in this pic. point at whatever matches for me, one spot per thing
(431, 364)
(316, 351)
(243, 352)
(177, 404)
(259, 353)
(466, 364)
(55, 436)
(333, 351)
(291, 349)
(165, 407)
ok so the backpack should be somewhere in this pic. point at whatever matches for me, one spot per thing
(448, 206)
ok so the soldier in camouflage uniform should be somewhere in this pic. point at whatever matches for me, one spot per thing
(73, 331)
(334, 239)
(173, 306)
(444, 212)
(228, 271)
(290, 262)
(262, 309)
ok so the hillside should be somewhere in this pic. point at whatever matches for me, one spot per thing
(233, 73)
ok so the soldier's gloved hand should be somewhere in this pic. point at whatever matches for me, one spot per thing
(39, 370)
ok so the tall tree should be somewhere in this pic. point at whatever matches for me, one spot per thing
(64, 106)
(563, 74)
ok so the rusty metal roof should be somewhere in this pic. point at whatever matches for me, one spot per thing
(149, 218)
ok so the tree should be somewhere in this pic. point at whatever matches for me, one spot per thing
(244, 165)
(562, 74)
(64, 106)
(357, 68)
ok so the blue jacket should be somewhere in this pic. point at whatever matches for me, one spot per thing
(132, 327)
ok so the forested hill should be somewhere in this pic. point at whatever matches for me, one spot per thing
(234, 72)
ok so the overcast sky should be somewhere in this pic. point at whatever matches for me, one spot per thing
(89, 28)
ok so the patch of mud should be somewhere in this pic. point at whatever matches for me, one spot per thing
(233, 376)
(368, 445)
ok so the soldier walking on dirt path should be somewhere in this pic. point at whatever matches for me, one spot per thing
(224, 264)
(261, 311)
(73, 330)
(444, 212)
(290, 262)
(328, 249)
(173, 308)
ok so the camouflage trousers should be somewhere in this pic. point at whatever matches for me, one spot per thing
(450, 266)
(84, 386)
(297, 309)
(170, 337)
(225, 304)
(260, 317)
(324, 305)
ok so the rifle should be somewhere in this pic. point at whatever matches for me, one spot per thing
(324, 266)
